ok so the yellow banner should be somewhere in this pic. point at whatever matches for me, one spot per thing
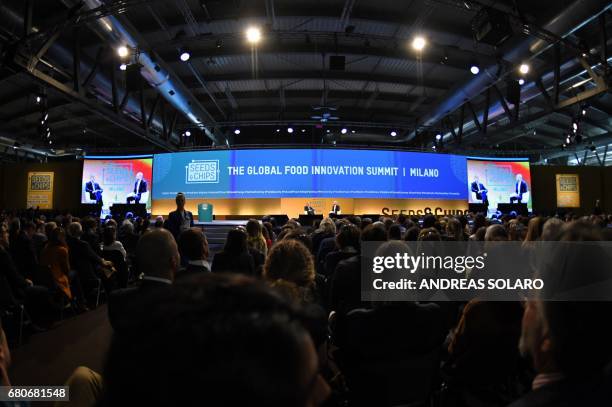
(40, 190)
(568, 191)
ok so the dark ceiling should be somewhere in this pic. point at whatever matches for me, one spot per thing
(284, 81)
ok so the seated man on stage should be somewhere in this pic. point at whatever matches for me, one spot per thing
(335, 210)
(520, 188)
(94, 190)
(140, 187)
(308, 209)
(481, 192)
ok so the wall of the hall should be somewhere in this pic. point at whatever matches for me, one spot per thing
(67, 183)
(595, 183)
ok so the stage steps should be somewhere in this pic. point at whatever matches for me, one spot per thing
(216, 232)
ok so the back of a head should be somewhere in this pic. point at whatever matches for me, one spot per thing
(578, 329)
(551, 229)
(412, 234)
(236, 242)
(157, 254)
(429, 221)
(219, 339)
(496, 233)
(429, 235)
(192, 244)
(348, 236)
(534, 229)
(374, 233)
(75, 229)
(109, 234)
(327, 226)
(253, 228)
(395, 232)
(454, 229)
(290, 260)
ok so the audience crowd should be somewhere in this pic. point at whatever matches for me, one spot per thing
(275, 316)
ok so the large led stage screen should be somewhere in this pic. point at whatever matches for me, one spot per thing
(318, 173)
(499, 181)
(109, 180)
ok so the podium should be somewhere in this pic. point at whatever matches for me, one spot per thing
(205, 212)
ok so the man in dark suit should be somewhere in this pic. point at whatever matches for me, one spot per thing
(157, 256)
(193, 248)
(309, 210)
(520, 188)
(481, 192)
(94, 190)
(335, 208)
(180, 219)
(140, 187)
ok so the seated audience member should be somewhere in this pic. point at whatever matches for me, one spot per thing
(5, 360)
(158, 258)
(22, 247)
(180, 219)
(55, 256)
(266, 234)
(534, 230)
(128, 237)
(90, 234)
(394, 232)
(345, 284)
(412, 234)
(453, 230)
(218, 339)
(516, 231)
(551, 230)
(109, 238)
(235, 257)
(83, 259)
(39, 238)
(484, 365)
(496, 233)
(327, 228)
(290, 261)
(255, 239)
(568, 342)
(384, 362)
(193, 247)
(347, 245)
(271, 233)
(429, 235)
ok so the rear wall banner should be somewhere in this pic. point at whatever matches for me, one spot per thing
(568, 190)
(40, 190)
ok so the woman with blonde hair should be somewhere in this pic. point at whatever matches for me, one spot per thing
(326, 229)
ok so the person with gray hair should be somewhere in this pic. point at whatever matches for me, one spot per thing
(158, 260)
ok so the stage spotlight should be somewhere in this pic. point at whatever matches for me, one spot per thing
(253, 35)
(278, 130)
(418, 43)
(393, 133)
(584, 111)
(474, 69)
(524, 69)
(303, 130)
(123, 51)
(353, 131)
(46, 116)
(575, 126)
(433, 147)
(290, 130)
(521, 81)
(343, 131)
(237, 131)
(568, 140)
(327, 131)
(188, 133)
(185, 55)
(438, 137)
(38, 99)
(123, 67)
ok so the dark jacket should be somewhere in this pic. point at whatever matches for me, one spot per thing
(175, 220)
(233, 263)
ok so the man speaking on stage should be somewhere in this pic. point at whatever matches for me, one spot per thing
(308, 209)
(480, 191)
(335, 209)
(94, 190)
(520, 188)
(140, 187)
